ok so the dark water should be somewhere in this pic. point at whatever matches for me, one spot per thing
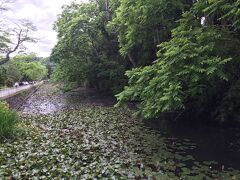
(211, 143)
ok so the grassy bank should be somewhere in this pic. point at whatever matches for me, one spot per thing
(8, 121)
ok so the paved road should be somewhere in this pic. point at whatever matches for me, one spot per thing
(12, 91)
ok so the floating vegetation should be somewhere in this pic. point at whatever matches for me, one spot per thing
(97, 142)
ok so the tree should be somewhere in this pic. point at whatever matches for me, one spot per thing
(30, 67)
(13, 35)
(142, 25)
(33, 70)
(185, 53)
(2, 76)
(192, 73)
(86, 50)
(49, 65)
(13, 74)
(3, 5)
(21, 33)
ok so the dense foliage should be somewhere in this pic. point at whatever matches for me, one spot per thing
(142, 25)
(2, 76)
(23, 68)
(181, 58)
(32, 70)
(8, 121)
(184, 53)
(196, 71)
(88, 47)
(86, 52)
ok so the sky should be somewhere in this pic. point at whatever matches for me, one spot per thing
(42, 13)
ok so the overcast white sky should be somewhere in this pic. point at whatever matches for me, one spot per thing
(42, 13)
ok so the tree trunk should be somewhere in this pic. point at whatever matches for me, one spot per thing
(132, 60)
(7, 58)
(4, 60)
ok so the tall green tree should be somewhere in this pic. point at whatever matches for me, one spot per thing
(195, 70)
(142, 25)
(3, 76)
(30, 67)
(86, 50)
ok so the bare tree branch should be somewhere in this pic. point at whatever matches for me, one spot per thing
(21, 33)
(3, 4)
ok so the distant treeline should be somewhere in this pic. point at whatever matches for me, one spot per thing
(24, 68)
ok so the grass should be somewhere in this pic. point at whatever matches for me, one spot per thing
(8, 121)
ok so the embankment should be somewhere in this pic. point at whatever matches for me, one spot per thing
(16, 101)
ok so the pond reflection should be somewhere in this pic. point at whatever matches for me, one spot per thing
(213, 144)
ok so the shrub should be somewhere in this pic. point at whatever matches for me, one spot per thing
(9, 82)
(68, 86)
(8, 121)
(2, 76)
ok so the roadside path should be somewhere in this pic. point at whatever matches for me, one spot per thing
(13, 91)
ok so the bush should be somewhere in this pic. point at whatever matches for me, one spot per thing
(9, 82)
(8, 121)
(68, 86)
(2, 76)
